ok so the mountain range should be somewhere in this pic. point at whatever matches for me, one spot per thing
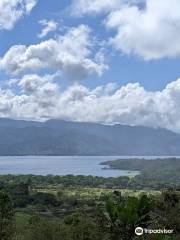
(57, 137)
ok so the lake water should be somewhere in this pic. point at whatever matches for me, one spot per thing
(59, 166)
(62, 165)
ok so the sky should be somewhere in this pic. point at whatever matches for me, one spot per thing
(105, 61)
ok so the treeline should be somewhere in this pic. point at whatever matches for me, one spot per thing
(157, 173)
(142, 181)
(115, 220)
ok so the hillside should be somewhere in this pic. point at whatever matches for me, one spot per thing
(56, 137)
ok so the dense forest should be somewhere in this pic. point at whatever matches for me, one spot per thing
(87, 208)
(154, 174)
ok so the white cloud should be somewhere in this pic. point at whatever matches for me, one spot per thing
(40, 97)
(36, 98)
(12, 10)
(72, 53)
(31, 84)
(48, 26)
(151, 33)
(149, 29)
(83, 7)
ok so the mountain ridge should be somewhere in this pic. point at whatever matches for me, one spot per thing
(58, 137)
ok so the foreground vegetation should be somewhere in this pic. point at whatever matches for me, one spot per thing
(70, 208)
(115, 217)
(92, 208)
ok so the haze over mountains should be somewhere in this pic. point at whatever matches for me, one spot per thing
(56, 137)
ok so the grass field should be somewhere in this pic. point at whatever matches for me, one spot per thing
(95, 193)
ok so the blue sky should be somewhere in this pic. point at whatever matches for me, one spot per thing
(153, 74)
(104, 49)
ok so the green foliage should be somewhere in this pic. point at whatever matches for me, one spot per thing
(122, 217)
(168, 206)
(6, 217)
(73, 227)
(154, 174)
(82, 227)
(39, 229)
(51, 209)
(46, 199)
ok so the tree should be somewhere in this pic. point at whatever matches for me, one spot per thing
(81, 227)
(73, 227)
(120, 218)
(6, 217)
(46, 199)
(168, 210)
(40, 229)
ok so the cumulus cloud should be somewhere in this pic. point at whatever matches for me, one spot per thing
(146, 28)
(11, 11)
(36, 98)
(48, 26)
(71, 53)
(40, 97)
(151, 33)
(31, 84)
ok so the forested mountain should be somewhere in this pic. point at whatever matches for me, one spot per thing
(56, 137)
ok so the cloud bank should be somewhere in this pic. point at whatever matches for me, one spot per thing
(40, 97)
(150, 32)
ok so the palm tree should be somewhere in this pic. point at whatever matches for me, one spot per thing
(123, 217)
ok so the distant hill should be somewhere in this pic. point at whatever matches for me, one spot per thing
(56, 137)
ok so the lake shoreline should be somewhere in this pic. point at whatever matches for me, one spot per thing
(97, 166)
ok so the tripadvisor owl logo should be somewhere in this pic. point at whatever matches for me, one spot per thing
(139, 231)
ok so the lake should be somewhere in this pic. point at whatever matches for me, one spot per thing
(61, 165)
